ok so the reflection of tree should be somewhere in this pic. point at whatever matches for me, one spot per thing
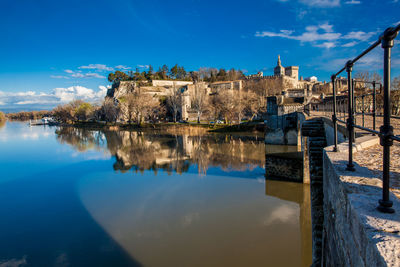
(142, 151)
(201, 154)
(81, 139)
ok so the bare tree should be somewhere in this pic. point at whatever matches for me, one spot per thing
(174, 100)
(138, 106)
(253, 104)
(109, 110)
(199, 101)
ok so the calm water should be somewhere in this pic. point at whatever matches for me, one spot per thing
(73, 197)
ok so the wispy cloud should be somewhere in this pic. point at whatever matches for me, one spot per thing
(326, 45)
(353, 2)
(350, 44)
(87, 75)
(359, 35)
(59, 77)
(322, 35)
(122, 67)
(321, 3)
(78, 74)
(100, 67)
(143, 66)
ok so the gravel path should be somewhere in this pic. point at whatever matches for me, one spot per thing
(371, 158)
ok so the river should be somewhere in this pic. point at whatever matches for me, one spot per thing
(76, 197)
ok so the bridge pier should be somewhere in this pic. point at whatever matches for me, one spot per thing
(314, 132)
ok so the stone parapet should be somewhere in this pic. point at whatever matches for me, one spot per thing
(355, 233)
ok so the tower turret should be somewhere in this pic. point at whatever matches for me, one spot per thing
(279, 70)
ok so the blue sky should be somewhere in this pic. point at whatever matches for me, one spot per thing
(54, 51)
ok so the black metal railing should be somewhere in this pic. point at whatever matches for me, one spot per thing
(386, 40)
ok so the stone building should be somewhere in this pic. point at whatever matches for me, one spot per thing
(188, 92)
(226, 85)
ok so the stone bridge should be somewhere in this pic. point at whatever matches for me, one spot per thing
(347, 228)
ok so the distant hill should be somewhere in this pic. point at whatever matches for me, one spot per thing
(14, 109)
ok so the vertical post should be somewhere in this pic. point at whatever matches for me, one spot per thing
(354, 109)
(374, 105)
(386, 130)
(362, 103)
(350, 125)
(334, 119)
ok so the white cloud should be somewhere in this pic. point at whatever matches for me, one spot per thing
(59, 77)
(350, 44)
(87, 75)
(79, 74)
(78, 92)
(321, 3)
(57, 96)
(326, 45)
(122, 67)
(353, 2)
(323, 32)
(143, 66)
(322, 35)
(359, 35)
(97, 67)
(326, 27)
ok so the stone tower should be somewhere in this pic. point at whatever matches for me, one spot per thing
(279, 70)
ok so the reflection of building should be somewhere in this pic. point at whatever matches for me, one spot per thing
(169, 152)
(175, 153)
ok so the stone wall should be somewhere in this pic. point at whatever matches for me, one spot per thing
(314, 130)
(284, 166)
(354, 232)
(170, 83)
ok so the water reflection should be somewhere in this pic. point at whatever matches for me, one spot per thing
(300, 194)
(62, 208)
(141, 150)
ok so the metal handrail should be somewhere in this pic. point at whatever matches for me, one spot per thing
(385, 133)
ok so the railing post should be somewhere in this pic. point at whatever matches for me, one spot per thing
(374, 105)
(354, 107)
(386, 130)
(350, 124)
(362, 103)
(334, 118)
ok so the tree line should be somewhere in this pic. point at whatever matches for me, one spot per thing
(176, 72)
(28, 115)
(137, 107)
